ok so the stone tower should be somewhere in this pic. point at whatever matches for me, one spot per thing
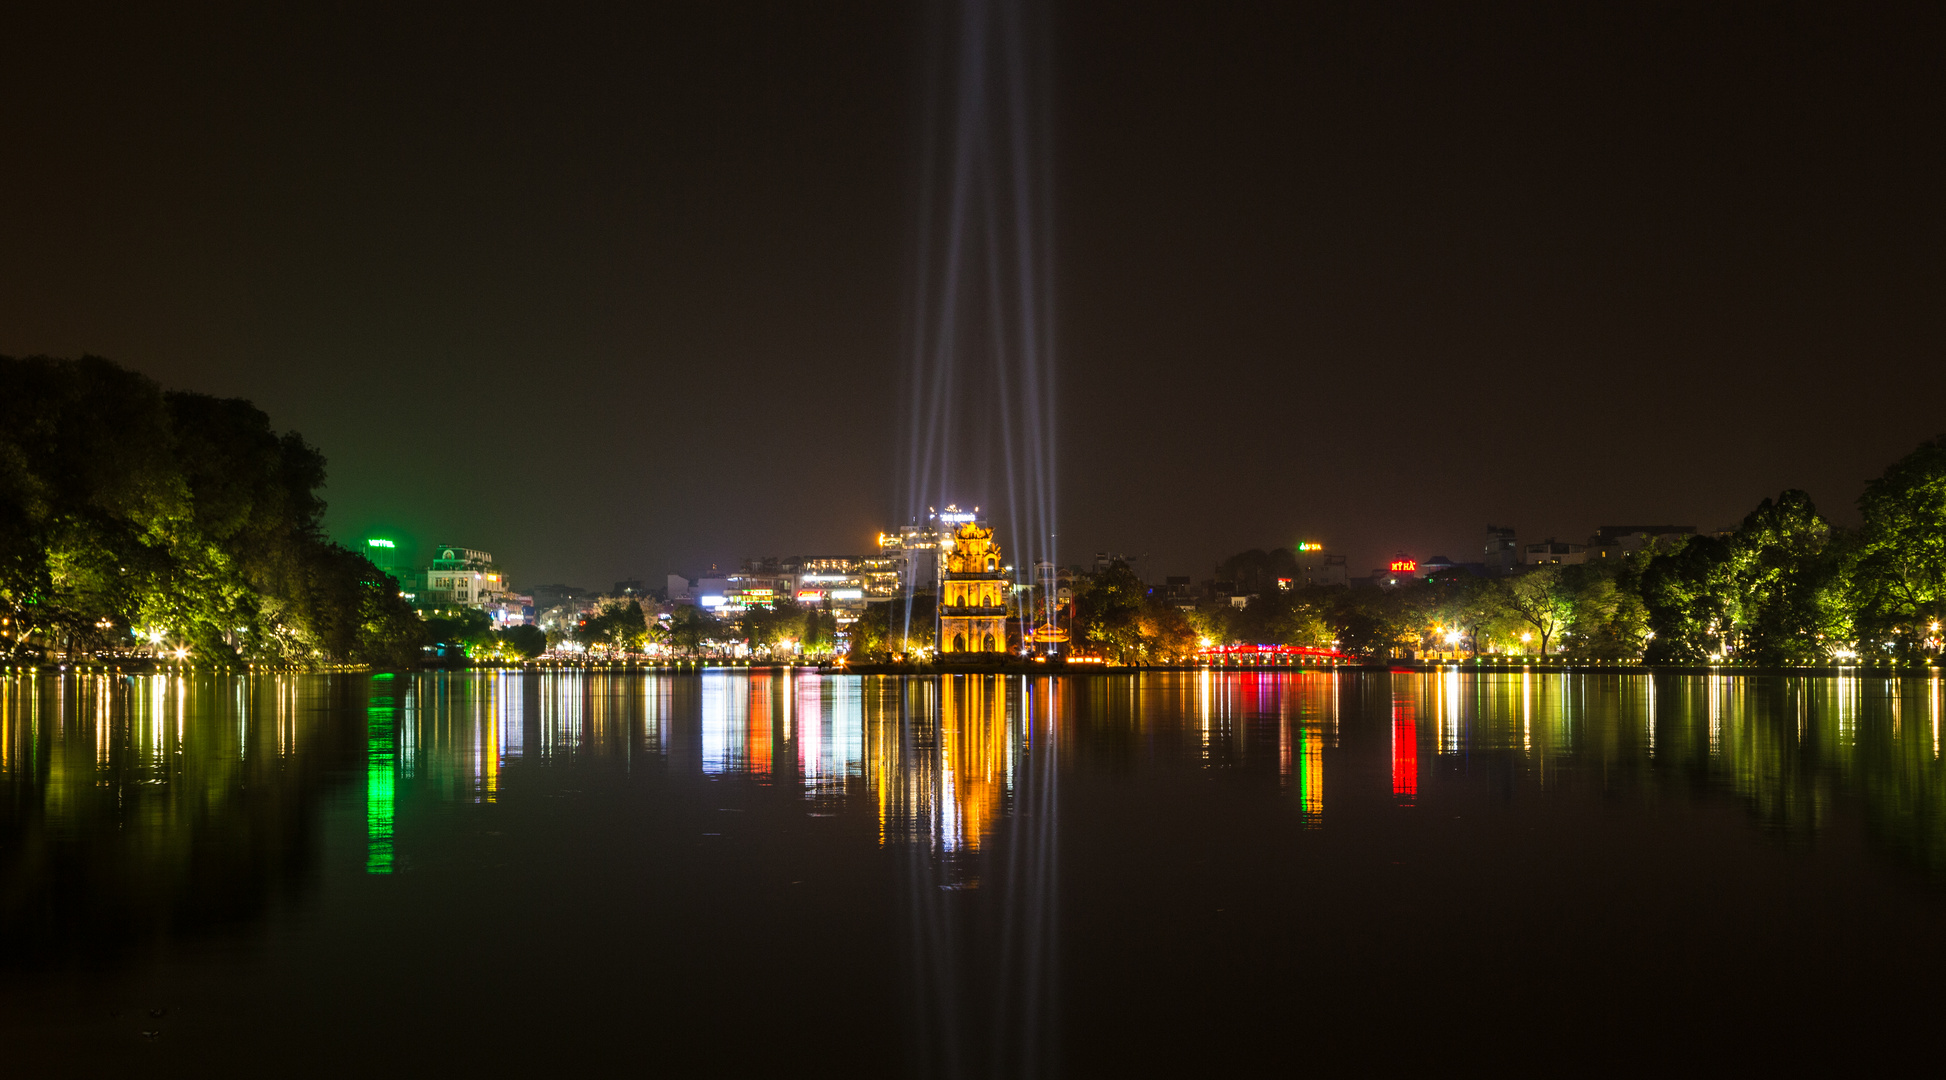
(973, 588)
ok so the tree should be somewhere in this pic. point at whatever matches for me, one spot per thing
(1465, 604)
(1377, 623)
(1164, 633)
(1609, 620)
(1788, 575)
(526, 642)
(819, 631)
(459, 632)
(690, 626)
(1898, 578)
(1282, 617)
(1107, 607)
(617, 626)
(173, 521)
(1690, 604)
(1540, 599)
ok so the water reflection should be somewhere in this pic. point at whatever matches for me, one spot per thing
(939, 763)
(974, 752)
(136, 810)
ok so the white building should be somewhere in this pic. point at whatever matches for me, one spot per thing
(465, 577)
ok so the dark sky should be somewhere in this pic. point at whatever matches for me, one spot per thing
(618, 293)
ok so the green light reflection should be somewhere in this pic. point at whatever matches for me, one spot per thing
(381, 751)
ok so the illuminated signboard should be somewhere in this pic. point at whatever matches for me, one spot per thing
(809, 595)
(825, 577)
(1405, 566)
(1306, 545)
(847, 594)
(1284, 584)
(956, 517)
(375, 542)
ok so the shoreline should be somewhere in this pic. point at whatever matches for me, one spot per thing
(1401, 667)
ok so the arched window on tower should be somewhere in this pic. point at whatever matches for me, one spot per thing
(959, 642)
(987, 645)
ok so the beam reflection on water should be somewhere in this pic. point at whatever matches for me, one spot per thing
(137, 810)
(982, 899)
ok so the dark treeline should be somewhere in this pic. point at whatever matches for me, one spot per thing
(1785, 587)
(139, 520)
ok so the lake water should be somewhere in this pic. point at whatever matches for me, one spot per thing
(763, 872)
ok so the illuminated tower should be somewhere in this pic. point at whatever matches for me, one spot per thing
(972, 593)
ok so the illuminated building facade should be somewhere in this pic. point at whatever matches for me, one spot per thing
(907, 558)
(463, 576)
(748, 592)
(973, 589)
(884, 575)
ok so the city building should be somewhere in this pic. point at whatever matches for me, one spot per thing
(709, 592)
(511, 609)
(1502, 550)
(919, 546)
(463, 577)
(547, 597)
(1316, 567)
(1552, 552)
(559, 619)
(1106, 559)
(973, 591)
(1627, 541)
(746, 591)
(884, 575)
(843, 592)
(384, 553)
(823, 564)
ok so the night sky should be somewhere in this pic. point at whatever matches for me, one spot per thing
(619, 293)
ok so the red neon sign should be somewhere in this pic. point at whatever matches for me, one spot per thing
(1405, 566)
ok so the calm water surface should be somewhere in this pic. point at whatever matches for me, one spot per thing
(762, 872)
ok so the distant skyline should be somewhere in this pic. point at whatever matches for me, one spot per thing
(619, 293)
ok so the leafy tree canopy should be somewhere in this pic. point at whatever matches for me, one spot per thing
(134, 518)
